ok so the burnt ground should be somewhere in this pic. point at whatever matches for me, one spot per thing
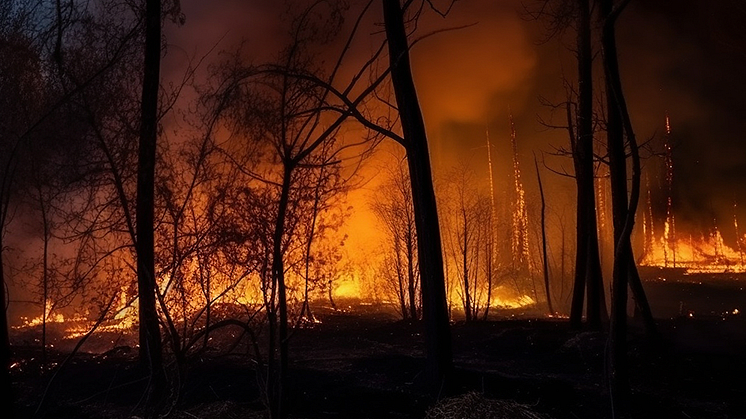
(363, 364)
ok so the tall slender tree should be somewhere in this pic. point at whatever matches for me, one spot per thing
(430, 255)
(544, 252)
(624, 271)
(151, 354)
(587, 261)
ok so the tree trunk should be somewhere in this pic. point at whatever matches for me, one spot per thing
(331, 296)
(277, 405)
(581, 255)
(642, 305)
(545, 261)
(44, 276)
(464, 254)
(490, 245)
(410, 272)
(618, 374)
(624, 267)
(434, 306)
(150, 337)
(400, 279)
(6, 385)
(306, 308)
(588, 264)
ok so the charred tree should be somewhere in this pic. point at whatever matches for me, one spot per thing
(465, 262)
(625, 272)
(277, 395)
(151, 355)
(6, 384)
(434, 306)
(617, 152)
(618, 365)
(587, 261)
(544, 253)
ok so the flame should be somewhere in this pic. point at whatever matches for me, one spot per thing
(348, 288)
(499, 300)
(707, 254)
(514, 302)
(519, 236)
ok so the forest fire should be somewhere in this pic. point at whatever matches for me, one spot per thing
(292, 210)
(675, 249)
(703, 254)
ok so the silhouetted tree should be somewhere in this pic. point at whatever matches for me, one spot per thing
(393, 208)
(587, 262)
(430, 253)
(466, 218)
(588, 288)
(151, 352)
(544, 252)
(19, 98)
(294, 110)
(624, 272)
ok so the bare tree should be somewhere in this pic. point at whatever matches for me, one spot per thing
(544, 251)
(430, 253)
(393, 208)
(294, 111)
(560, 15)
(587, 262)
(27, 103)
(466, 218)
(151, 351)
(619, 126)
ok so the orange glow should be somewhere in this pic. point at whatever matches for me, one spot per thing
(706, 254)
(349, 287)
(519, 237)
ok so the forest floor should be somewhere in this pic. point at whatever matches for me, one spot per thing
(362, 363)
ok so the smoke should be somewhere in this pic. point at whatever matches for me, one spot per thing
(461, 73)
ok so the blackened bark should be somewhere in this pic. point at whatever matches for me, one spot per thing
(588, 263)
(434, 306)
(624, 267)
(6, 384)
(279, 387)
(464, 254)
(544, 253)
(489, 277)
(410, 271)
(151, 355)
(578, 289)
(44, 276)
(641, 300)
(618, 366)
